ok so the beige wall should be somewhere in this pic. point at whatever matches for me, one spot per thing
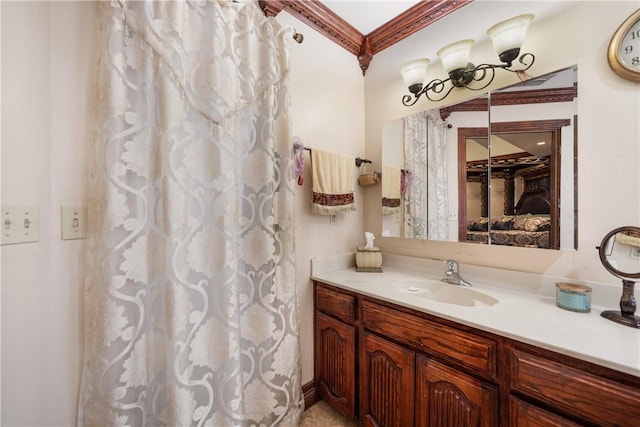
(47, 52)
(327, 90)
(577, 32)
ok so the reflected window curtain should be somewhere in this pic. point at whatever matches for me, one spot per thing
(414, 202)
(190, 304)
(437, 206)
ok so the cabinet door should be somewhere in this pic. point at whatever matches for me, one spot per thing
(522, 414)
(446, 397)
(335, 363)
(387, 383)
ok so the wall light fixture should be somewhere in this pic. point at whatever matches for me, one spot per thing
(507, 37)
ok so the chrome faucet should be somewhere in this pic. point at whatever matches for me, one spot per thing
(452, 275)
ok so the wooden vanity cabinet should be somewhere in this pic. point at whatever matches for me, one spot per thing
(421, 377)
(335, 340)
(417, 369)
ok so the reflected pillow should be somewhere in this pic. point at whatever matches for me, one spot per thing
(502, 223)
(478, 224)
(519, 221)
(531, 223)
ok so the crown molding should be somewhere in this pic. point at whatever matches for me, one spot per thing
(412, 20)
(326, 22)
(529, 96)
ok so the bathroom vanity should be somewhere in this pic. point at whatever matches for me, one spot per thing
(401, 349)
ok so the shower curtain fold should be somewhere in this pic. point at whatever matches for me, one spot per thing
(190, 300)
(424, 203)
(414, 211)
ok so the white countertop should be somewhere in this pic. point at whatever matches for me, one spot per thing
(524, 313)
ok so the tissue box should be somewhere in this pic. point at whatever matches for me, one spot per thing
(368, 259)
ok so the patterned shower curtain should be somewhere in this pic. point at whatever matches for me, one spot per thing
(414, 201)
(190, 303)
(425, 205)
(437, 200)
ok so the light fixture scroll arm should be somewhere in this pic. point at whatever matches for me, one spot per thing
(406, 99)
(526, 59)
(434, 87)
(527, 56)
(481, 72)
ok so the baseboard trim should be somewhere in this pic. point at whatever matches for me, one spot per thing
(310, 394)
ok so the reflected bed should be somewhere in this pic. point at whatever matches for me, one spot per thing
(526, 229)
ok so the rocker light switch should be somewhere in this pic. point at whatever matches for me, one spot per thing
(74, 222)
(20, 224)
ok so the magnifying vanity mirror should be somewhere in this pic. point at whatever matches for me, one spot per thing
(620, 255)
(497, 169)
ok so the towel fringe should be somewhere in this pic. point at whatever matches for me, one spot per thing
(386, 210)
(331, 210)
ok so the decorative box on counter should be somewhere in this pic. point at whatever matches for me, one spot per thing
(573, 297)
(369, 259)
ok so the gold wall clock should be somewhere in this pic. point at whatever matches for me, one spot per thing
(624, 48)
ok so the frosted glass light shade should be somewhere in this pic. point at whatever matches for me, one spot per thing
(510, 34)
(456, 55)
(415, 72)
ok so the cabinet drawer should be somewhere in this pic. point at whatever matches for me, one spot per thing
(335, 303)
(476, 353)
(586, 395)
(522, 414)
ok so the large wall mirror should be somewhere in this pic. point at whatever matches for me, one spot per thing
(497, 169)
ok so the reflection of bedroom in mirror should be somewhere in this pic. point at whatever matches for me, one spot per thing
(524, 201)
(443, 158)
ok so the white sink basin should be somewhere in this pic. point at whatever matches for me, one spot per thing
(446, 293)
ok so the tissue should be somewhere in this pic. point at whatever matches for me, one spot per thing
(368, 236)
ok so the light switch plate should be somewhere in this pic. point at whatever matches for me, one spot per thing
(20, 224)
(74, 221)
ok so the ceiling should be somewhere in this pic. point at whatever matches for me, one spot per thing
(378, 12)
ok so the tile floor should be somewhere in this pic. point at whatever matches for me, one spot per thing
(323, 415)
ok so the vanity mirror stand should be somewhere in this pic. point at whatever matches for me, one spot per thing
(620, 255)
